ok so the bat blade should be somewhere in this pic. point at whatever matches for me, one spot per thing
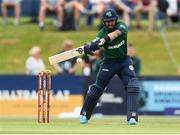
(66, 55)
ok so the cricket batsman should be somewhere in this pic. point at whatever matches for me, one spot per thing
(113, 38)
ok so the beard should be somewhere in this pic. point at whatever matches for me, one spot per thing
(111, 28)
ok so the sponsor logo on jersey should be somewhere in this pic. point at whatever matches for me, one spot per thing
(116, 46)
(122, 26)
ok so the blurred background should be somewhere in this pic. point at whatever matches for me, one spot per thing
(33, 30)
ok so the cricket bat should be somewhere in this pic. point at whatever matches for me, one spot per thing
(66, 55)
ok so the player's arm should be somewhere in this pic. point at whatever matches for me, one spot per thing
(121, 30)
(98, 43)
(113, 35)
(93, 46)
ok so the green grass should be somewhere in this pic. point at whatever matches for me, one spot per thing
(15, 42)
(117, 124)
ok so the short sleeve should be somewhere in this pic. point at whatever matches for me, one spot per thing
(123, 28)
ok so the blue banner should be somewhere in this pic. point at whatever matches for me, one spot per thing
(72, 83)
(19, 96)
(160, 95)
(157, 95)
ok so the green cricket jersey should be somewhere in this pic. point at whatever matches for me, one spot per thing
(116, 48)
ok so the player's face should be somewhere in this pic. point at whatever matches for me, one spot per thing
(110, 24)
